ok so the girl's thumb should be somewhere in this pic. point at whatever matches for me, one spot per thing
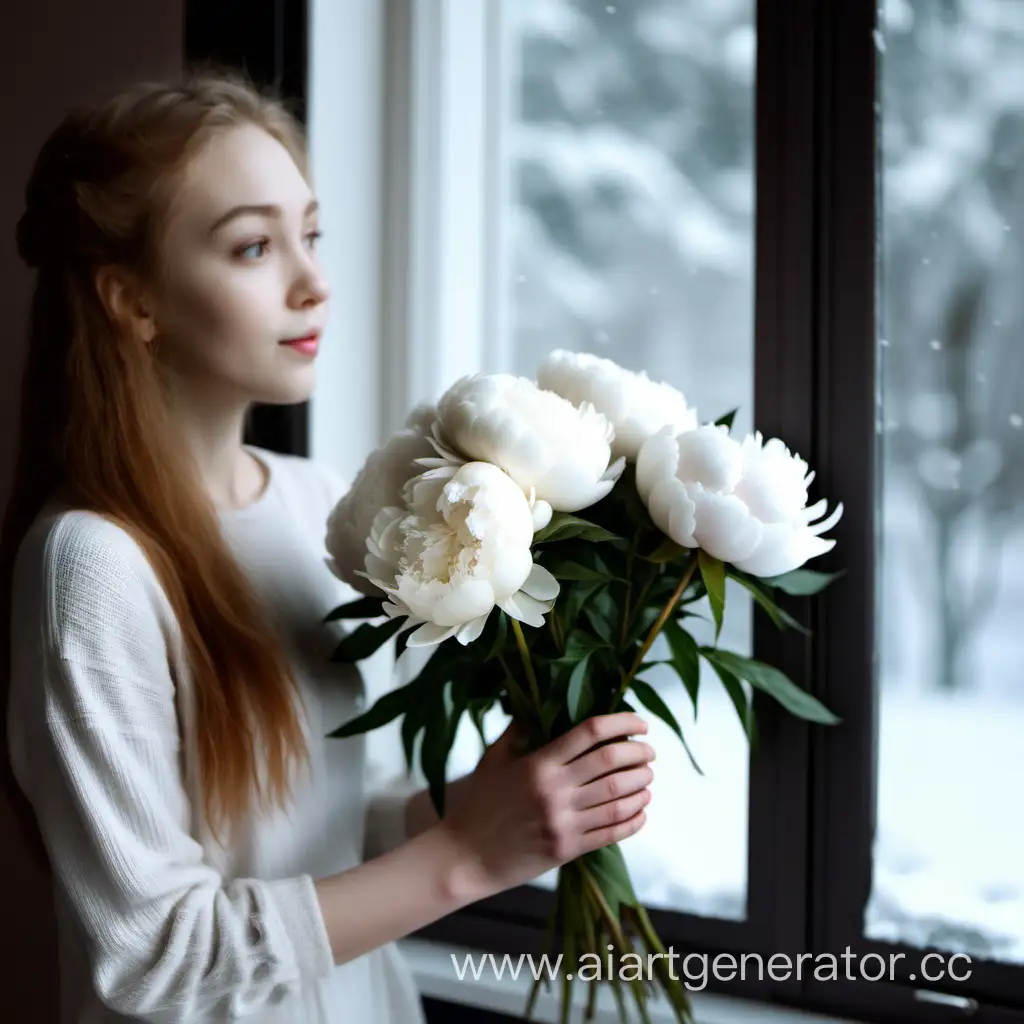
(509, 743)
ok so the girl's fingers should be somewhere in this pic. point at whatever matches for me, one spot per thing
(604, 836)
(612, 787)
(593, 731)
(613, 757)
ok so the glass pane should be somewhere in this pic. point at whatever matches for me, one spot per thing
(949, 853)
(631, 235)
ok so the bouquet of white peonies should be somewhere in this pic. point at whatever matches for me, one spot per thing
(592, 509)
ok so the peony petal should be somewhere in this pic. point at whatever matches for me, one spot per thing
(783, 548)
(429, 634)
(541, 585)
(542, 513)
(725, 528)
(471, 630)
(636, 406)
(507, 569)
(526, 609)
(710, 457)
(657, 460)
(815, 511)
(539, 438)
(827, 524)
(673, 511)
(462, 601)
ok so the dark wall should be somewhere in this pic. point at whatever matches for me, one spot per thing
(52, 53)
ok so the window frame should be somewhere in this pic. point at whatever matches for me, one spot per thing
(811, 812)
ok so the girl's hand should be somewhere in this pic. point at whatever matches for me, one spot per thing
(520, 815)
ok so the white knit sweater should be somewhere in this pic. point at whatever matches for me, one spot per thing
(158, 922)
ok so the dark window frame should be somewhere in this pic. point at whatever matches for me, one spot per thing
(268, 41)
(812, 790)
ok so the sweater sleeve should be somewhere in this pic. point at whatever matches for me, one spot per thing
(387, 785)
(95, 746)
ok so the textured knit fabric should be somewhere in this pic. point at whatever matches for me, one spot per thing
(156, 920)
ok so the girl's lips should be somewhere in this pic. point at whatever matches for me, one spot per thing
(307, 346)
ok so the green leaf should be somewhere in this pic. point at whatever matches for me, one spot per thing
(564, 569)
(578, 644)
(667, 551)
(738, 696)
(712, 571)
(577, 600)
(773, 682)
(412, 725)
(364, 608)
(652, 701)
(564, 526)
(365, 640)
(499, 640)
(579, 696)
(781, 618)
(727, 419)
(478, 708)
(802, 582)
(448, 660)
(401, 642)
(437, 741)
(386, 709)
(608, 867)
(548, 713)
(685, 658)
(645, 619)
(602, 612)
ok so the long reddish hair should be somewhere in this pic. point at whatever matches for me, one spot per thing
(95, 423)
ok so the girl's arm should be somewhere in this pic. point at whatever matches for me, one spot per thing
(96, 747)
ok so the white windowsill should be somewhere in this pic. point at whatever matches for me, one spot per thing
(432, 966)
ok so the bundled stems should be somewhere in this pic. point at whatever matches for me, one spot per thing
(519, 698)
(524, 653)
(656, 629)
(629, 590)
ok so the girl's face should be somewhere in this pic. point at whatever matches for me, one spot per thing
(241, 276)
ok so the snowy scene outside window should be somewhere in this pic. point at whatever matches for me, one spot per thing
(949, 845)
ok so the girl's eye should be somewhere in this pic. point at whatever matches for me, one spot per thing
(260, 244)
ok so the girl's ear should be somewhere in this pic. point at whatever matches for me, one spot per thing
(125, 302)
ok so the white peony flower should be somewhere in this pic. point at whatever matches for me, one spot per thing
(636, 406)
(559, 455)
(743, 502)
(459, 547)
(379, 484)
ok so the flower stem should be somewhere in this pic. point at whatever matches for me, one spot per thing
(629, 591)
(524, 653)
(518, 697)
(659, 624)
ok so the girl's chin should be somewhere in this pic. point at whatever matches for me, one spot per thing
(289, 388)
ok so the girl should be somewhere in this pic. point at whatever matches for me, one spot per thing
(214, 856)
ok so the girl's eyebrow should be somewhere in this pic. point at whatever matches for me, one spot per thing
(262, 209)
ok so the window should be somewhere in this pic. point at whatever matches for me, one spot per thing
(811, 211)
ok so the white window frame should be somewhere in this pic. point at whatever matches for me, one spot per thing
(407, 155)
(443, 300)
